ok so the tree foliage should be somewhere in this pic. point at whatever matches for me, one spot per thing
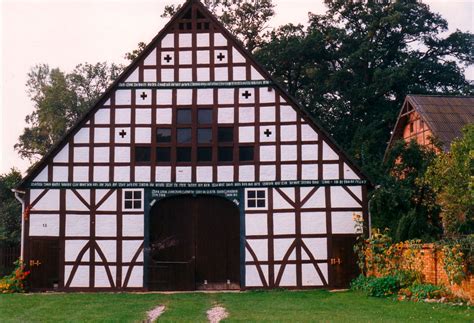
(59, 100)
(405, 202)
(452, 177)
(10, 210)
(353, 66)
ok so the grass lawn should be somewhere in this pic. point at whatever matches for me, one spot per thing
(271, 306)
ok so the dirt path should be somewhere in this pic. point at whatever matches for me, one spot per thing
(216, 314)
(154, 313)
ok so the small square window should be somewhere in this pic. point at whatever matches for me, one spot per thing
(204, 116)
(204, 154)
(163, 135)
(163, 154)
(132, 200)
(128, 194)
(142, 154)
(183, 154)
(256, 199)
(204, 136)
(226, 154)
(225, 134)
(184, 135)
(184, 116)
(246, 153)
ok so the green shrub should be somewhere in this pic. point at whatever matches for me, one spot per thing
(361, 283)
(408, 277)
(419, 292)
(383, 286)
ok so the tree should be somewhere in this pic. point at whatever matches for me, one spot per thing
(59, 100)
(248, 20)
(452, 177)
(10, 210)
(405, 202)
(353, 66)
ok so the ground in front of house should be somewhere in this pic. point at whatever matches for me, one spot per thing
(283, 306)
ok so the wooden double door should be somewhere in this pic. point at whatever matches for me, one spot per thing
(43, 263)
(343, 262)
(194, 243)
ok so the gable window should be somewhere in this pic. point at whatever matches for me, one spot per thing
(142, 154)
(256, 199)
(163, 135)
(246, 153)
(411, 127)
(184, 116)
(133, 200)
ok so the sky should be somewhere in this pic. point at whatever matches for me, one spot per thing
(65, 33)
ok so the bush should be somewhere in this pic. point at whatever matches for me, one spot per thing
(418, 292)
(408, 277)
(15, 282)
(383, 286)
(361, 283)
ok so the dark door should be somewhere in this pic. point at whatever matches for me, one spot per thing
(194, 244)
(44, 263)
(343, 262)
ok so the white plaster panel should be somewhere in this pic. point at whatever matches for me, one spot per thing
(244, 99)
(143, 97)
(151, 58)
(309, 275)
(279, 202)
(259, 247)
(225, 115)
(50, 201)
(122, 154)
(149, 75)
(309, 171)
(185, 74)
(205, 96)
(246, 134)
(340, 198)
(267, 114)
(219, 40)
(225, 173)
(256, 224)
(130, 248)
(252, 278)
(106, 225)
(142, 174)
(317, 200)
(73, 248)
(281, 247)
(102, 116)
(122, 174)
(287, 113)
(143, 135)
(331, 171)
(289, 276)
(109, 249)
(74, 203)
(329, 153)
(239, 73)
(81, 278)
(309, 152)
(349, 173)
(268, 153)
(110, 204)
(183, 174)
(203, 74)
(289, 191)
(164, 97)
(204, 174)
(101, 278)
(123, 116)
(255, 75)
(267, 95)
(288, 172)
(167, 75)
(167, 58)
(136, 276)
(267, 172)
(237, 57)
(60, 174)
(247, 173)
(164, 116)
(163, 174)
(313, 222)
(247, 115)
(168, 41)
(283, 223)
(101, 135)
(318, 248)
(289, 152)
(185, 57)
(307, 133)
(269, 138)
(44, 225)
(101, 154)
(82, 136)
(77, 225)
(357, 190)
(101, 173)
(133, 77)
(288, 133)
(123, 97)
(202, 40)
(184, 96)
(107, 103)
(133, 225)
(63, 155)
(223, 55)
(226, 96)
(43, 175)
(185, 40)
(80, 174)
(343, 222)
(221, 74)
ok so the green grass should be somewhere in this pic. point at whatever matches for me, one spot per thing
(274, 306)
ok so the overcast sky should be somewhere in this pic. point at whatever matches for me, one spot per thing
(66, 33)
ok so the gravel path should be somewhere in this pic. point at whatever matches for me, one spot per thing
(216, 314)
(154, 313)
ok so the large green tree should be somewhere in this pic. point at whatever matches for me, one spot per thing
(353, 66)
(59, 100)
(10, 210)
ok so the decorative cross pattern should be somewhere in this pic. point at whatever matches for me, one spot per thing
(168, 58)
(267, 133)
(246, 95)
(143, 96)
(122, 133)
(220, 56)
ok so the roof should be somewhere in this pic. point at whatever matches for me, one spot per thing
(145, 52)
(444, 115)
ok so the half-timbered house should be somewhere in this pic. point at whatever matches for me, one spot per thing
(195, 170)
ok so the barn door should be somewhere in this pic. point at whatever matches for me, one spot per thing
(43, 263)
(343, 262)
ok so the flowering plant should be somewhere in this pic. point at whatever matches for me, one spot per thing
(15, 282)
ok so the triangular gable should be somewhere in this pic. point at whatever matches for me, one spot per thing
(244, 82)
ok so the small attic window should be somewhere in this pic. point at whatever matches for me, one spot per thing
(411, 127)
